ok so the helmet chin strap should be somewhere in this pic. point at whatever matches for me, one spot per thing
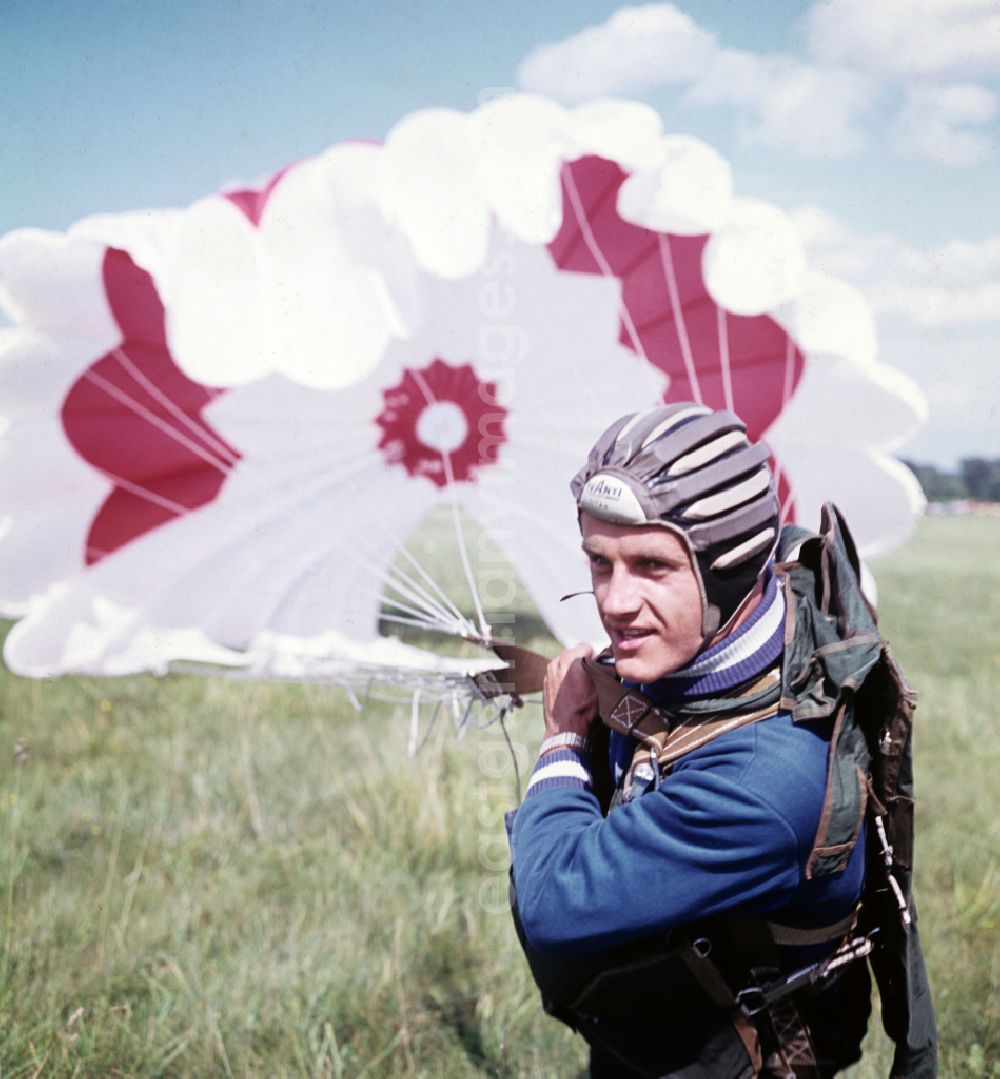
(711, 614)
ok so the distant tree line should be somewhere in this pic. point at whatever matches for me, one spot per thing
(977, 478)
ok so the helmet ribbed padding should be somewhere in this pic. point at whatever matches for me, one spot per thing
(694, 471)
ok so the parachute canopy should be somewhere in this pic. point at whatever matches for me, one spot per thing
(220, 424)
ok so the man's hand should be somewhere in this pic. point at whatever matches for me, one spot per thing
(569, 699)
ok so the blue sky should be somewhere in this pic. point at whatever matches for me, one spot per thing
(874, 123)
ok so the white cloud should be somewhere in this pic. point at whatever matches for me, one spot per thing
(637, 47)
(817, 107)
(820, 229)
(955, 284)
(834, 248)
(960, 374)
(931, 306)
(940, 38)
(958, 261)
(782, 102)
(932, 123)
(938, 311)
(799, 106)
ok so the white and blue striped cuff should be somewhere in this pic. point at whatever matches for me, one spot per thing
(564, 768)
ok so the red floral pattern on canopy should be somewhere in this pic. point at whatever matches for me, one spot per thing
(747, 364)
(352, 307)
(137, 418)
(476, 434)
(251, 201)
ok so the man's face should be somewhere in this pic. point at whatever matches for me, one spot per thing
(647, 595)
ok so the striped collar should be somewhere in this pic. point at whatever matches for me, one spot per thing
(744, 654)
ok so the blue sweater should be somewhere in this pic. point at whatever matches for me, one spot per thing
(728, 830)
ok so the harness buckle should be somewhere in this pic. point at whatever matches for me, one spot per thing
(751, 1001)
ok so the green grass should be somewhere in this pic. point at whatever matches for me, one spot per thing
(202, 877)
(939, 602)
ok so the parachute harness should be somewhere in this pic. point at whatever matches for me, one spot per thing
(835, 664)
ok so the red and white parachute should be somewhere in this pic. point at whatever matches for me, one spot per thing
(219, 425)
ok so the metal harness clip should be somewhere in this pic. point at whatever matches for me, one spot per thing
(887, 858)
(751, 1001)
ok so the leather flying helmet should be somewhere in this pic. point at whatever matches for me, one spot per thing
(693, 471)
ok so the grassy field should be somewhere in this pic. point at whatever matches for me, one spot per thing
(201, 877)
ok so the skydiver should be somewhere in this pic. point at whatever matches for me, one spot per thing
(702, 860)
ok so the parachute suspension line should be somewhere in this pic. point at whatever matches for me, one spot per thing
(412, 591)
(420, 742)
(420, 623)
(499, 716)
(207, 437)
(595, 249)
(423, 617)
(143, 492)
(667, 259)
(448, 604)
(789, 383)
(427, 613)
(449, 474)
(461, 710)
(460, 715)
(424, 613)
(412, 741)
(722, 322)
(423, 610)
(156, 421)
(484, 628)
(513, 755)
(411, 597)
(423, 621)
(786, 395)
(418, 619)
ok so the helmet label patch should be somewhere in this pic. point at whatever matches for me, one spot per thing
(611, 499)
